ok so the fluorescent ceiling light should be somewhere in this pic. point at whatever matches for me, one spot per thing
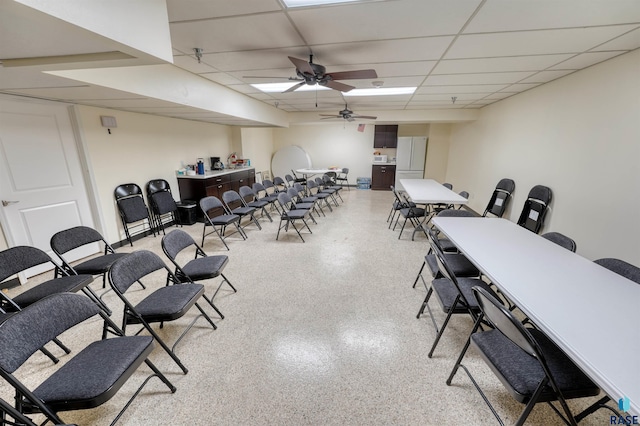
(281, 87)
(303, 3)
(381, 91)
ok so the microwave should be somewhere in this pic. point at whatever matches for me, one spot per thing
(379, 158)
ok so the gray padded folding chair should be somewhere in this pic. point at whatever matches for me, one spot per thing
(217, 217)
(90, 378)
(251, 199)
(527, 362)
(236, 205)
(561, 240)
(290, 216)
(163, 305)
(133, 210)
(620, 267)
(177, 245)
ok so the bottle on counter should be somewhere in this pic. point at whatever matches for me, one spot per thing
(200, 166)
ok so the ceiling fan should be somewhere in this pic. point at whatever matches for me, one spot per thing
(311, 74)
(348, 115)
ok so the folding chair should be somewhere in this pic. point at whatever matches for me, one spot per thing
(216, 216)
(165, 304)
(64, 242)
(410, 214)
(535, 208)
(500, 198)
(18, 259)
(251, 199)
(235, 204)
(454, 294)
(321, 196)
(529, 365)
(289, 216)
(201, 267)
(90, 378)
(162, 203)
(132, 208)
(264, 195)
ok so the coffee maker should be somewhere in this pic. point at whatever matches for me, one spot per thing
(216, 164)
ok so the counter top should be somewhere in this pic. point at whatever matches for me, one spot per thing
(388, 163)
(214, 173)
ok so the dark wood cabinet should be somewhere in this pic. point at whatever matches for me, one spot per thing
(197, 187)
(385, 136)
(383, 177)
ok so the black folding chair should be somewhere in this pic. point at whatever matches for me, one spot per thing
(529, 365)
(90, 378)
(132, 209)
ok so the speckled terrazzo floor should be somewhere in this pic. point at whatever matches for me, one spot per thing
(320, 333)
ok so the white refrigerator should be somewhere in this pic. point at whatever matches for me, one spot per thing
(410, 158)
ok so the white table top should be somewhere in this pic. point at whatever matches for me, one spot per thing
(317, 171)
(429, 191)
(591, 313)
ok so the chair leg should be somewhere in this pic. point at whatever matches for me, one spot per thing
(442, 327)
(420, 276)
(424, 303)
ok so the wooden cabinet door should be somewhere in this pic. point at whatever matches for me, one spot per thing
(382, 177)
(385, 136)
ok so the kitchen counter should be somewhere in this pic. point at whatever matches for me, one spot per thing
(214, 173)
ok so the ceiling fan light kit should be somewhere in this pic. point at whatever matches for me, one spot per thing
(348, 115)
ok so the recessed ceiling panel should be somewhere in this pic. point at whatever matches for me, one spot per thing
(546, 76)
(628, 41)
(485, 78)
(264, 31)
(585, 60)
(510, 15)
(363, 22)
(522, 43)
(514, 63)
(481, 88)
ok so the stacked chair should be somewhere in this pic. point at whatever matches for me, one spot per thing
(133, 210)
(162, 203)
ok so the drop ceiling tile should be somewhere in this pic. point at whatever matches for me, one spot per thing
(415, 49)
(533, 42)
(509, 15)
(255, 60)
(481, 88)
(392, 69)
(629, 41)
(397, 19)
(251, 32)
(585, 60)
(203, 9)
(515, 63)
(244, 88)
(486, 78)
(546, 76)
(519, 87)
(446, 97)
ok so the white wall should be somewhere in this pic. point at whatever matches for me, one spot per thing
(141, 148)
(579, 135)
(257, 145)
(438, 152)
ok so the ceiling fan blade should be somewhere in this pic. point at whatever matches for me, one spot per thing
(294, 87)
(272, 77)
(350, 119)
(329, 118)
(330, 115)
(366, 117)
(337, 86)
(302, 65)
(353, 75)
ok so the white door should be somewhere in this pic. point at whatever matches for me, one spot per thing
(41, 182)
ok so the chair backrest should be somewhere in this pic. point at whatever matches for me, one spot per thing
(27, 331)
(279, 183)
(163, 202)
(284, 200)
(20, 258)
(130, 268)
(289, 179)
(456, 213)
(447, 185)
(72, 238)
(210, 203)
(503, 320)
(130, 202)
(464, 194)
(176, 241)
(268, 184)
(247, 193)
(298, 186)
(157, 185)
(620, 267)
(500, 198)
(561, 240)
(258, 187)
(535, 208)
(311, 184)
(231, 196)
(293, 193)
(345, 170)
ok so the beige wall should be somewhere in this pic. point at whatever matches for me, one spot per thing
(257, 145)
(437, 152)
(578, 135)
(332, 144)
(141, 148)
